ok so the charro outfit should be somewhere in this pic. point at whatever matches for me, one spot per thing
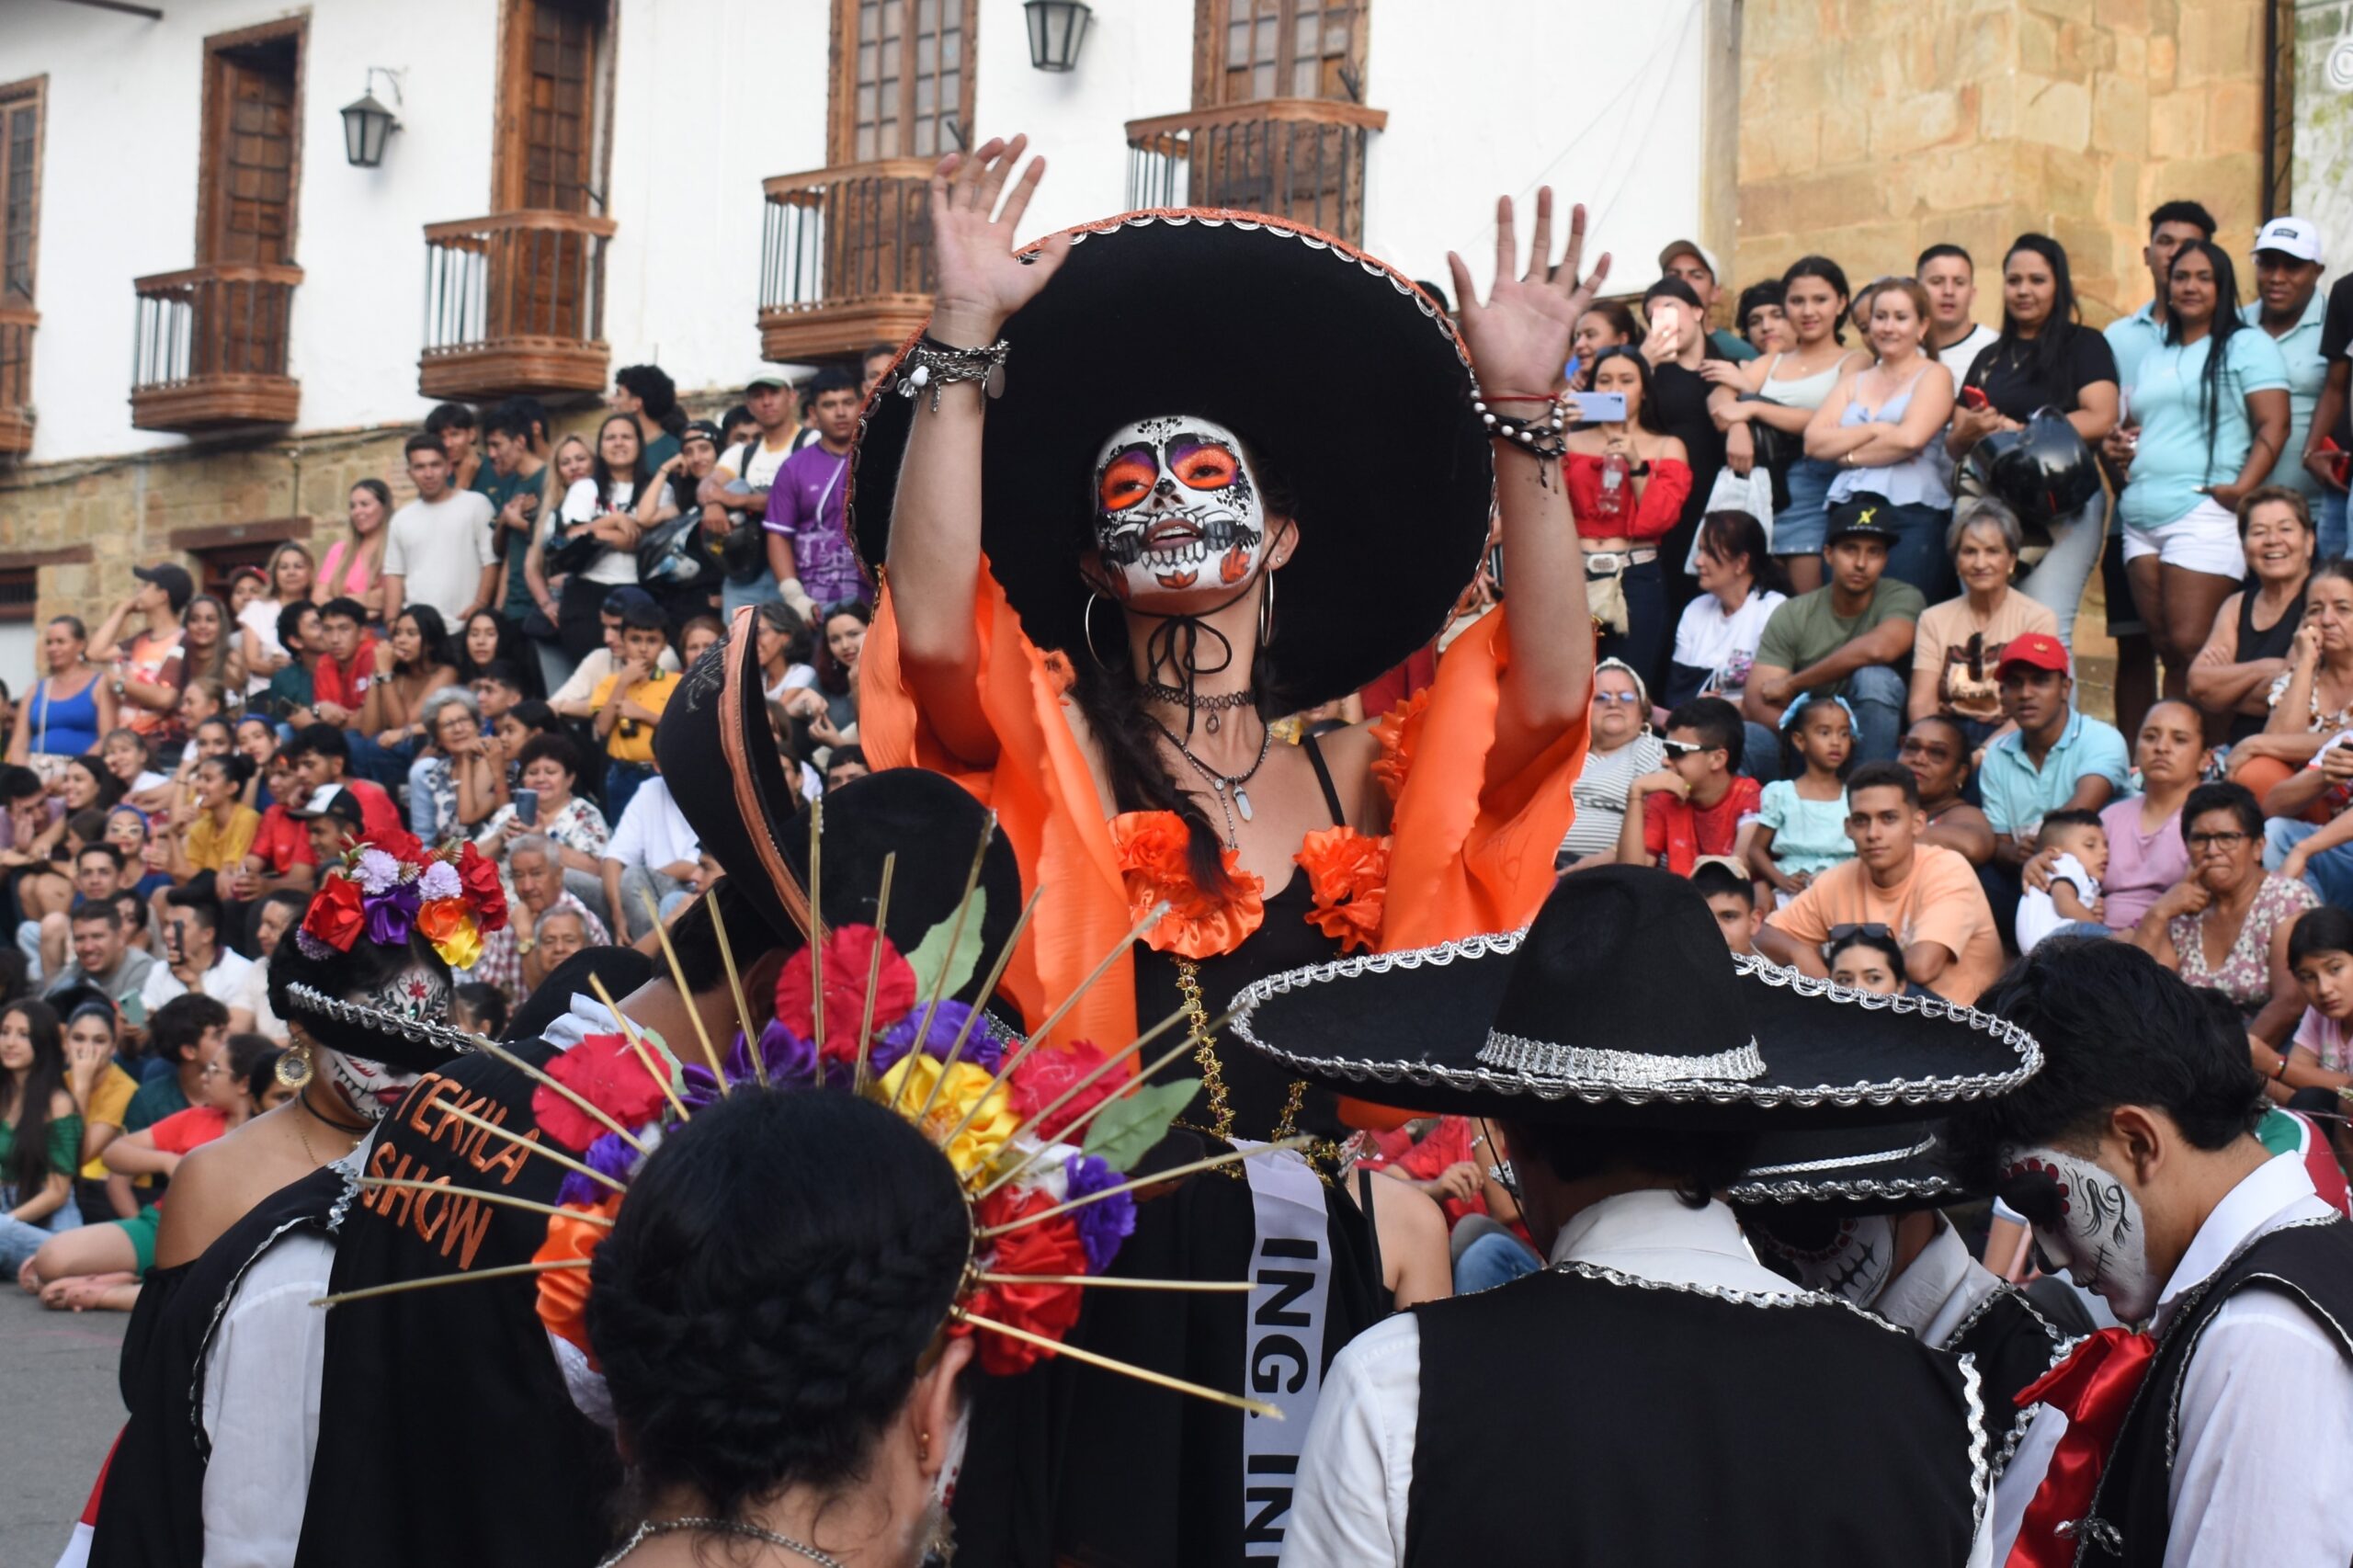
(1449, 1434)
(1108, 1474)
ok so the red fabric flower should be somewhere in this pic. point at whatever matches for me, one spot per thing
(400, 844)
(336, 914)
(605, 1071)
(478, 874)
(848, 951)
(1152, 846)
(1048, 1072)
(1049, 1247)
(1348, 874)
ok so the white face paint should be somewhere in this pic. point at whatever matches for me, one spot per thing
(1852, 1258)
(1177, 509)
(2086, 1223)
(372, 1088)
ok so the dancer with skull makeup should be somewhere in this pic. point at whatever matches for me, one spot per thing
(2217, 1425)
(1132, 508)
(221, 1364)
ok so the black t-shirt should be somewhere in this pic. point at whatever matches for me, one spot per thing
(2336, 339)
(2007, 374)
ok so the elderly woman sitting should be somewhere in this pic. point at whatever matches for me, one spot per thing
(1958, 644)
(1622, 750)
(455, 785)
(2227, 924)
(546, 806)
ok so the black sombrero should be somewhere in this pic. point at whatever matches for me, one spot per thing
(1345, 379)
(1620, 1005)
(719, 758)
(1887, 1169)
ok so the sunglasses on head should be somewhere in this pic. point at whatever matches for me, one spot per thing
(1842, 935)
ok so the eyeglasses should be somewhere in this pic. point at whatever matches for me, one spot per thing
(2201, 842)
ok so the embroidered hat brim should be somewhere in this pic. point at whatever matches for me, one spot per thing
(1346, 381)
(1888, 1169)
(1620, 1005)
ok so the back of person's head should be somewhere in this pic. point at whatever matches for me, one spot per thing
(766, 1296)
(244, 1053)
(2058, 825)
(2194, 213)
(1883, 776)
(88, 827)
(1713, 878)
(652, 386)
(1693, 1163)
(2116, 1029)
(180, 1024)
(1716, 722)
(479, 1007)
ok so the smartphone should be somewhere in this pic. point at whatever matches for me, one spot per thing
(1602, 407)
(135, 1010)
(527, 807)
(1974, 399)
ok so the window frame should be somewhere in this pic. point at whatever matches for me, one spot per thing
(12, 95)
(841, 102)
(1211, 20)
(509, 159)
(212, 128)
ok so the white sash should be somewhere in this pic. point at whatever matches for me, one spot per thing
(1291, 1263)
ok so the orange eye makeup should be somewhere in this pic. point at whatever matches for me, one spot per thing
(1128, 477)
(1206, 466)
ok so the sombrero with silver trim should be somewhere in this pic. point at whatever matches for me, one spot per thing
(1618, 1004)
(1888, 1169)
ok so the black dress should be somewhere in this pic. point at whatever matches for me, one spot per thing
(1679, 399)
(1071, 1464)
(2276, 642)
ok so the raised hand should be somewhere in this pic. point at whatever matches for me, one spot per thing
(1520, 335)
(981, 281)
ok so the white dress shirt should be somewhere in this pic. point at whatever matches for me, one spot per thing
(2265, 1463)
(1350, 1508)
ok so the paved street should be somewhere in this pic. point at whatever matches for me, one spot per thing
(58, 1371)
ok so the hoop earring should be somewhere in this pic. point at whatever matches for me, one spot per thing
(1087, 630)
(293, 1068)
(1267, 610)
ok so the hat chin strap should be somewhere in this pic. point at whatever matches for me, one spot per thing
(1176, 641)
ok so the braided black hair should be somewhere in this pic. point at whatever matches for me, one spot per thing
(763, 1303)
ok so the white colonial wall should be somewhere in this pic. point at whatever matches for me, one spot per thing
(1601, 99)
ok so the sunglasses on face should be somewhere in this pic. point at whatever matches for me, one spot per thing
(1675, 750)
(1629, 699)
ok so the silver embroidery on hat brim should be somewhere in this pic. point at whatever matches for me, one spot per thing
(1844, 1161)
(1423, 1074)
(441, 1036)
(1932, 1190)
(1544, 1059)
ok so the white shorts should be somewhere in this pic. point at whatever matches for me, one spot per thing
(2205, 538)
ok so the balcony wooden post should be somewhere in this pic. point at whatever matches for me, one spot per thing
(514, 304)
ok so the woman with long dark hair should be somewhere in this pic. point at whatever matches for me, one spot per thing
(415, 662)
(40, 1133)
(2206, 418)
(592, 539)
(1740, 583)
(486, 638)
(1628, 480)
(2044, 357)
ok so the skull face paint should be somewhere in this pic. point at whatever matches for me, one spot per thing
(1176, 508)
(2086, 1223)
(374, 1089)
(1851, 1258)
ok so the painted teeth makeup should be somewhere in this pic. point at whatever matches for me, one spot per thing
(2086, 1223)
(1176, 506)
(1851, 1258)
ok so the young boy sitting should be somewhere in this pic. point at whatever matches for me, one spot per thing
(1731, 899)
(1695, 804)
(628, 702)
(2074, 896)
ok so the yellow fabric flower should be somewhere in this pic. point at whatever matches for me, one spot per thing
(452, 930)
(977, 1145)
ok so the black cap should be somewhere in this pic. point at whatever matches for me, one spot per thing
(177, 585)
(700, 429)
(629, 597)
(1864, 515)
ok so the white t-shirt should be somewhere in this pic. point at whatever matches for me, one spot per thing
(1962, 355)
(590, 673)
(1723, 644)
(2038, 915)
(438, 550)
(615, 566)
(652, 832)
(260, 617)
(225, 981)
(756, 464)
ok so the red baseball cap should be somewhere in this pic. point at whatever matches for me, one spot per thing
(2036, 651)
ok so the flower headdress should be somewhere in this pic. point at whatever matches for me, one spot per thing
(384, 888)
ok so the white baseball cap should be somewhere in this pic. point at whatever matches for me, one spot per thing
(2298, 237)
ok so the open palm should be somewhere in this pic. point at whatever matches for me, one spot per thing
(982, 280)
(1519, 336)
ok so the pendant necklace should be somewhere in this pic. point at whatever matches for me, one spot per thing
(1232, 789)
(1212, 708)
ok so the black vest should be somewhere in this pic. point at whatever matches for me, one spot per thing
(2311, 1265)
(2012, 1344)
(1584, 1416)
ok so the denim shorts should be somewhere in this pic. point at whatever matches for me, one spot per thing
(1799, 527)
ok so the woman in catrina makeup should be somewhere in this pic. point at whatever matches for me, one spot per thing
(1171, 527)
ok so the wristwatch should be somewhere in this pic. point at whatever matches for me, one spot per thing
(524, 946)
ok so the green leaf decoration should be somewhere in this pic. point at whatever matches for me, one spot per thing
(1123, 1131)
(931, 955)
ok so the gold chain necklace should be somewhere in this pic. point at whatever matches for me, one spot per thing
(1220, 1126)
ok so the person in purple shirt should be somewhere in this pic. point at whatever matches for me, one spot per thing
(809, 545)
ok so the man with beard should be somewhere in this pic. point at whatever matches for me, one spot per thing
(2224, 1431)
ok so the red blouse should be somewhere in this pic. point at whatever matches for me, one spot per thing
(1663, 491)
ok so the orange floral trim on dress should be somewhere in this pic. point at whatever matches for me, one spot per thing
(1399, 730)
(1150, 847)
(563, 1292)
(1348, 873)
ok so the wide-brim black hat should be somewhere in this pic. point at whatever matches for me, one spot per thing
(1620, 1005)
(1888, 1169)
(718, 757)
(1346, 382)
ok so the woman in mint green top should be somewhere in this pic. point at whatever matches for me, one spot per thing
(40, 1133)
(2206, 418)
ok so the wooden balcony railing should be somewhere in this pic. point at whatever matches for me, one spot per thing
(515, 303)
(17, 324)
(211, 349)
(1297, 158)
(845, 258)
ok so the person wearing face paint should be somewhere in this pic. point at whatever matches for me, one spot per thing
(220, 1366)
(1103, 582)
(1853, 1212)
(1495, 1427)
(2223, 1430)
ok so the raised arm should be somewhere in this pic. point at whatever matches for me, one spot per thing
(935, 555)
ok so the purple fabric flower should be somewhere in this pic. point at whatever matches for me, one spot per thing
(393, 915)
(609, 1156)
(790, 1060)
(939, 1025)
(376, 870)
(1106, 1223)
(312, 947)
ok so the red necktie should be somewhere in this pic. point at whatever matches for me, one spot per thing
(2094, 1389)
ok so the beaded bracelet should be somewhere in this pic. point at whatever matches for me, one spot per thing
(1540, 437)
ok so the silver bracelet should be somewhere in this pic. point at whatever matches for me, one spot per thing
(933, 364)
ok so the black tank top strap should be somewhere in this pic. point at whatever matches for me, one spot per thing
(1323, 780)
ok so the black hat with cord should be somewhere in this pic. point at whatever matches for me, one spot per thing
(1346, 382)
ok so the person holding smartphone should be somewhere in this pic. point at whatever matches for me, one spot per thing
(1628, 481)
